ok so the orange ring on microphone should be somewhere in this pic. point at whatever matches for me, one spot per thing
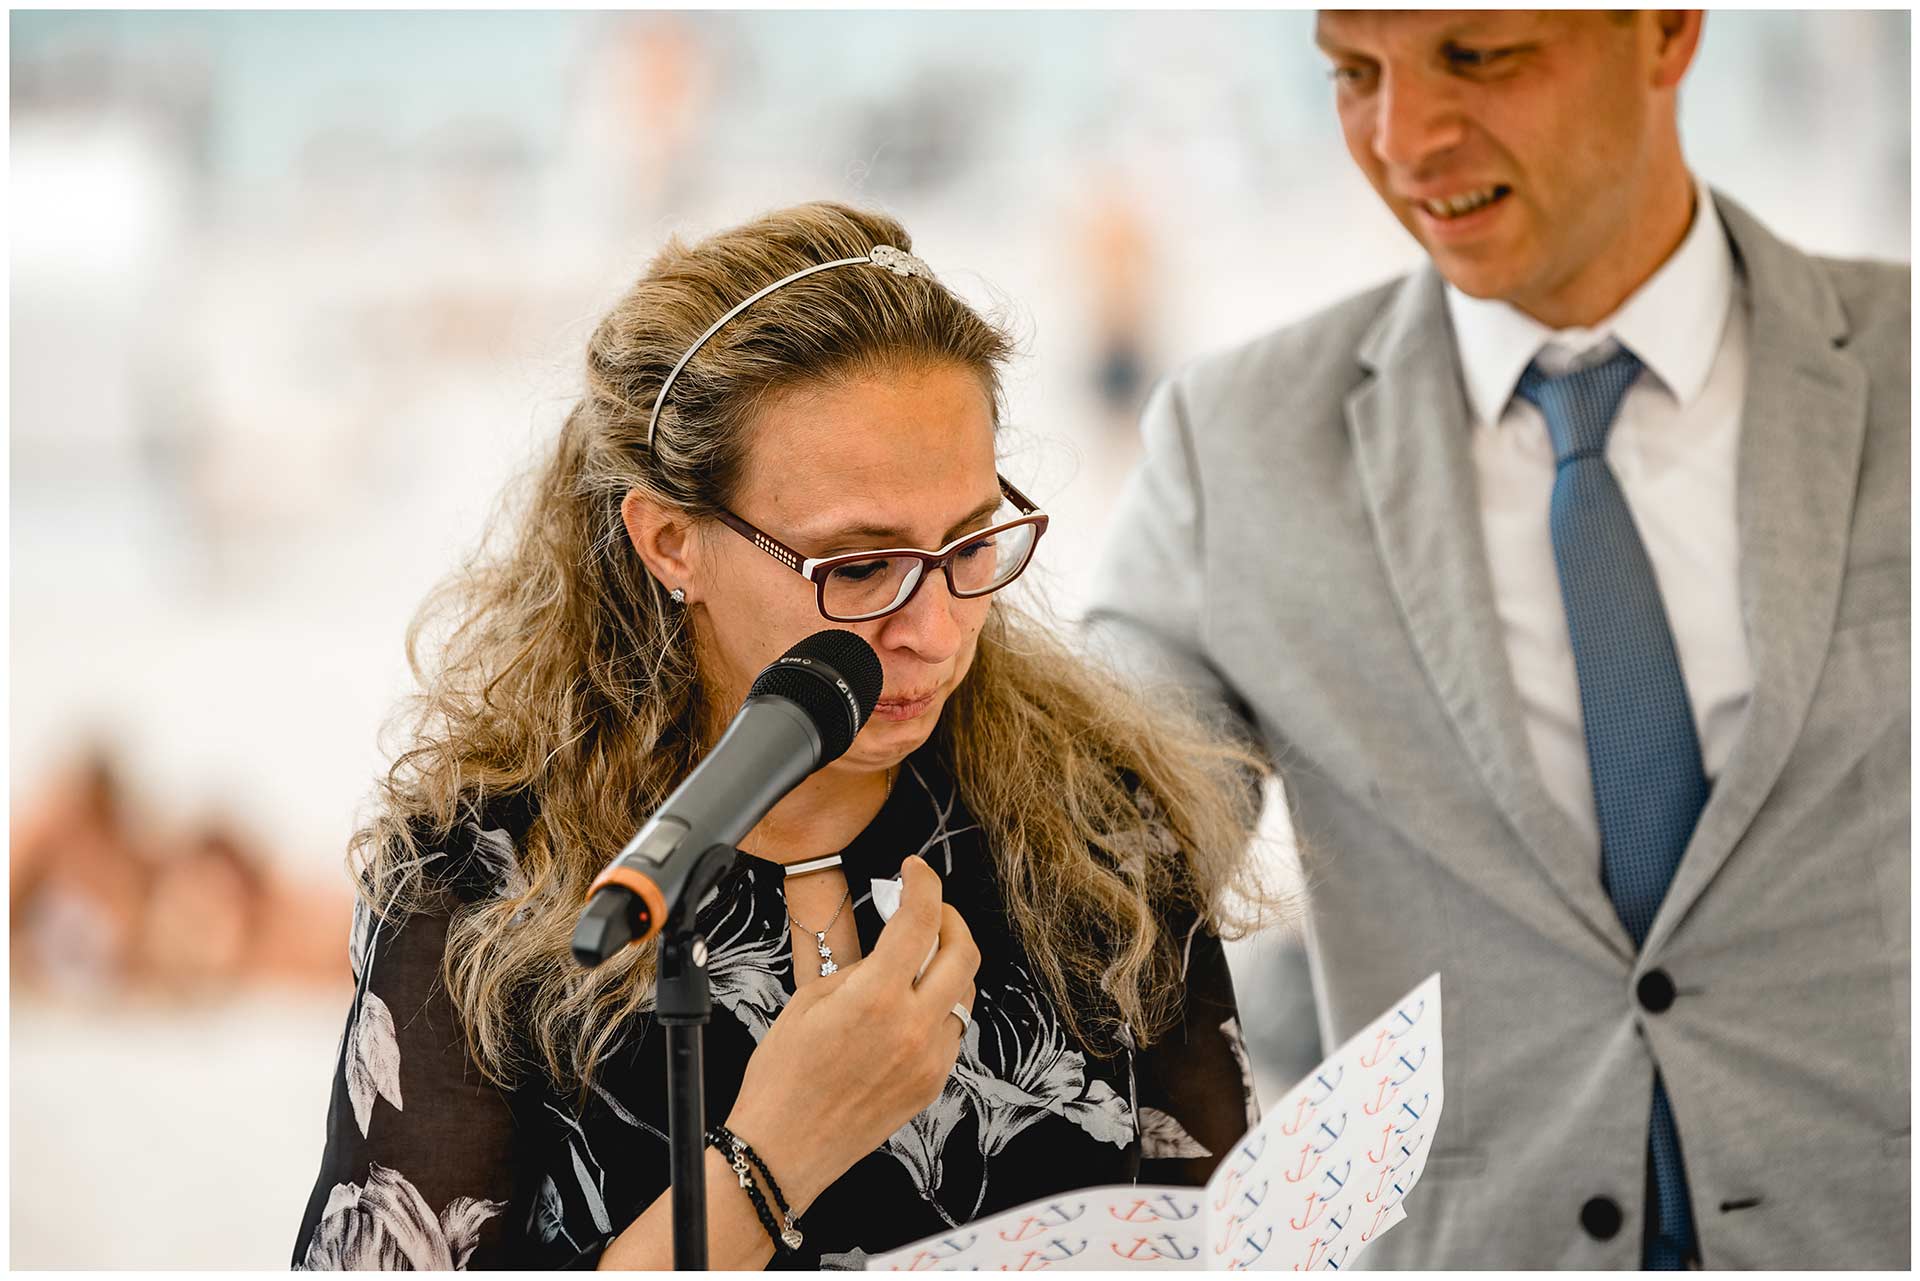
(651, 898)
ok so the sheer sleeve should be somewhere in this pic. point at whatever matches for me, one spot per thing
(1195, 1084)
(420, 1159)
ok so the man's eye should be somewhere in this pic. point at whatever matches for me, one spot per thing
(1474, 59)
(1349, 74)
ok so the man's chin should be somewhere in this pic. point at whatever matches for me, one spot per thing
(1488, 277)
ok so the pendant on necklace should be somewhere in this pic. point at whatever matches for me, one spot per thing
(826, 956)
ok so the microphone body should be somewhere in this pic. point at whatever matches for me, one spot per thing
(765, 753)
(801, 714)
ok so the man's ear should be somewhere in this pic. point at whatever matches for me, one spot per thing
(1678, 32)
(665, 541)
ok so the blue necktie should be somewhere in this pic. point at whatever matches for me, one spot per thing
(1648, 782)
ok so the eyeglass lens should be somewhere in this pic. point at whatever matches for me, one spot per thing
(864, 588)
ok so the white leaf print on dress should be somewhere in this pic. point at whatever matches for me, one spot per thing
(942, 834)
(387, 1225)
(596, 1204)
(1100, 1111)
(1043, 1076)
(743, 971)
(919, 1143)
(460, 1224)
(1161, 1136)
(592, 1182)
(360, 939)
(614, 1106)
(1238, 1045)
(359, 944)
(373, 1060)
(546, 1218)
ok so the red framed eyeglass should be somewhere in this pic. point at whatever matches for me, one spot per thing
(856, 587)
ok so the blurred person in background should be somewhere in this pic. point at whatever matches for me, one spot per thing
(77, 882)
(107, 901)
(1118, 266)
(203, 910)
(1569, 575)
(219, 913)
(1070, 848)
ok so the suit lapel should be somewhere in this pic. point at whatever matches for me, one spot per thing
(1411, 442)
(1802, 432)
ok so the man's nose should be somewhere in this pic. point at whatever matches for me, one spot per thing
(1415, 119)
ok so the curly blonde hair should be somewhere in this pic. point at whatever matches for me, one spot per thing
(562, 674)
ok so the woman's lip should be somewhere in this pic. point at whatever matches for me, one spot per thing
(902, 709)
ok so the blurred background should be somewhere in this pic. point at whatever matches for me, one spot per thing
(294, 294)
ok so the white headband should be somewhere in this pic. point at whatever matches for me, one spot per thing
(897, 261)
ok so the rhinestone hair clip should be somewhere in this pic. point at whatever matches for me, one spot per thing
(897, 261)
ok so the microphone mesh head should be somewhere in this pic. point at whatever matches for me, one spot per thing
(834, 677)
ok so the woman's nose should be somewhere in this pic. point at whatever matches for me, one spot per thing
(926, 624)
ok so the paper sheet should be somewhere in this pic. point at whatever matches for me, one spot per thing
(1310, 1187)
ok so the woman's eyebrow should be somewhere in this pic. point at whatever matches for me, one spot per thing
(892, 535)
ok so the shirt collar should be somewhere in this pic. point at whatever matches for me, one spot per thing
(1673, 323)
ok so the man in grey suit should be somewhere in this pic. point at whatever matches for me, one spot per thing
(1566, 580)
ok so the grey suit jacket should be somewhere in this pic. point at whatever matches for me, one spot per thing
(1302, 545)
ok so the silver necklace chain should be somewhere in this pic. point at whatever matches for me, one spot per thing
(819, 936)
(827, 965)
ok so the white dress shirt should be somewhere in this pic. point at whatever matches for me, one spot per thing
(1674, 448)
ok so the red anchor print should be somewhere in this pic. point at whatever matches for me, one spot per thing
(1380, 1100)
(1380, 1043)
(1303, 1169)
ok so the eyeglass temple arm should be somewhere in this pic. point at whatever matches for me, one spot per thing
(1026, 505)
(764, 541)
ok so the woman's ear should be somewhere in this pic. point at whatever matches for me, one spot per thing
(665, 541)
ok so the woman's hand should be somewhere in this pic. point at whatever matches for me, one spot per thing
(852, 1058)
(860, 1053)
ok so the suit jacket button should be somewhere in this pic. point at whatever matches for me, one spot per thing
(1601, 1218)
(1656, 991)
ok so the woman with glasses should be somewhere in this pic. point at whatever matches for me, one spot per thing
(787, 426)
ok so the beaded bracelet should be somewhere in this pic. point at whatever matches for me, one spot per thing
(741, 1145)
(786, 1238)
(759, 1202)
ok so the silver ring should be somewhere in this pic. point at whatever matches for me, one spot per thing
(959, 1011)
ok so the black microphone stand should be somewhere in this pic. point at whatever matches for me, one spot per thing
(684, 1004)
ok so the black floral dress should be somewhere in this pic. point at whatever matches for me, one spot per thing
(428, 1166)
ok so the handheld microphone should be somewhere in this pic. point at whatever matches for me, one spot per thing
(802, 712)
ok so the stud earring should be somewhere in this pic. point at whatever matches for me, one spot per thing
(678, 595)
